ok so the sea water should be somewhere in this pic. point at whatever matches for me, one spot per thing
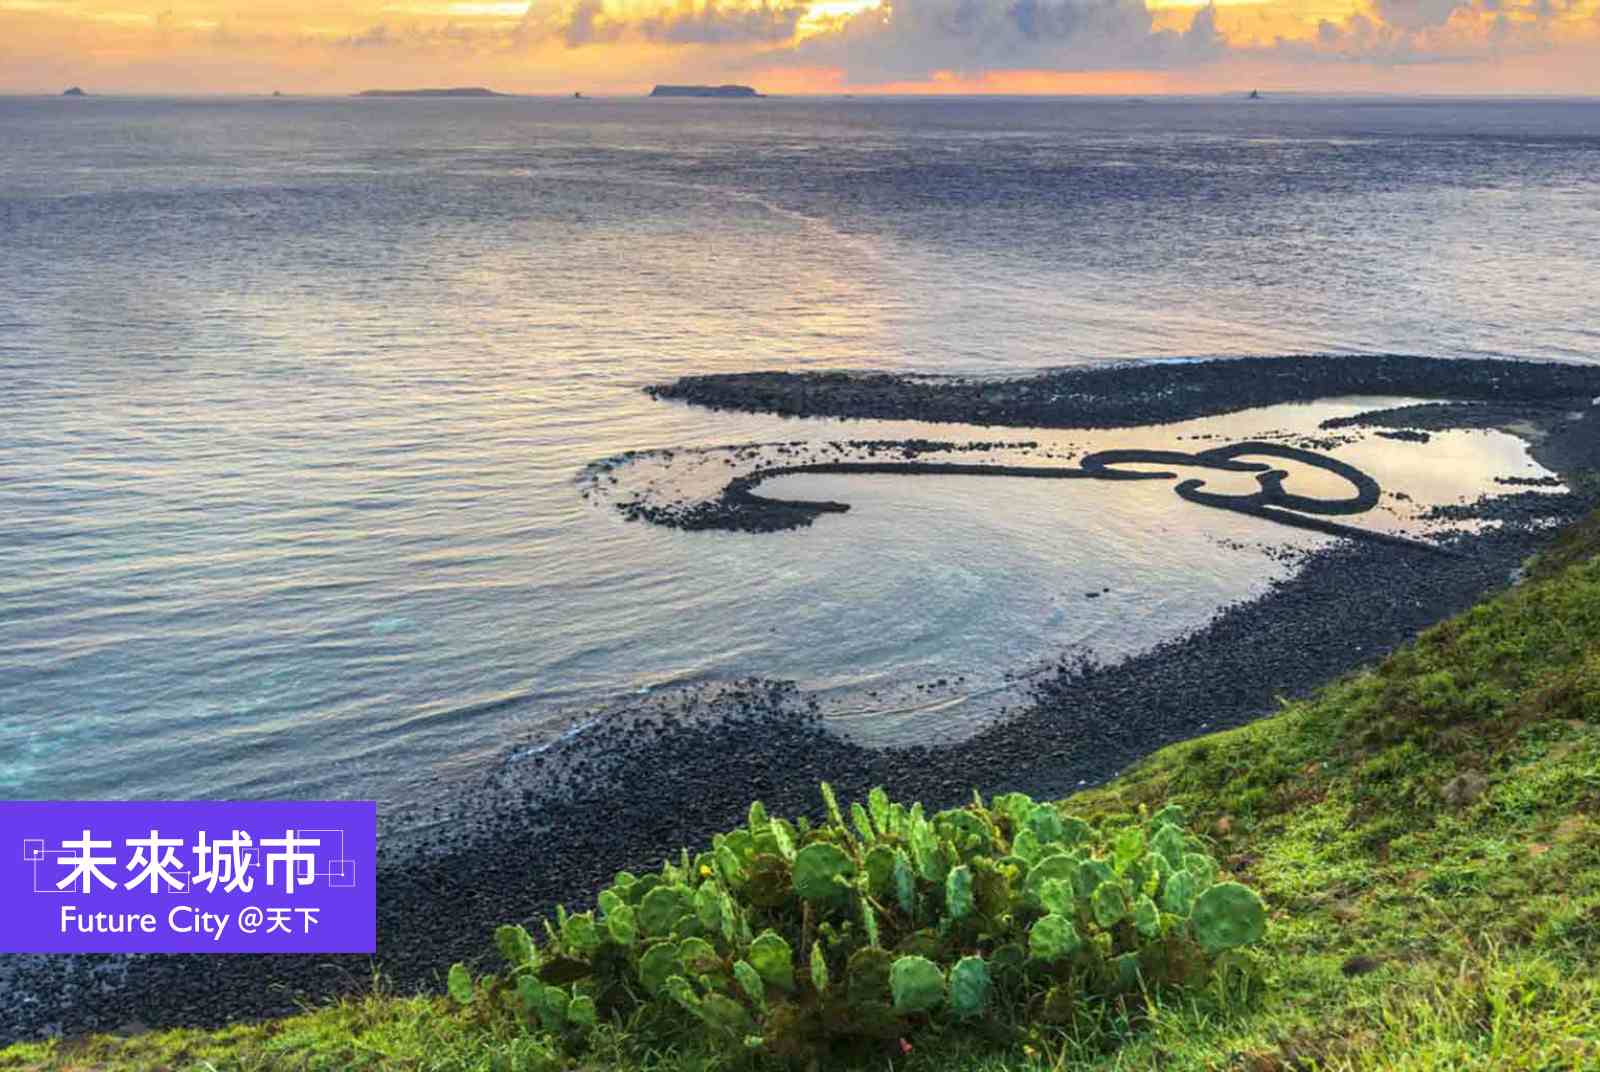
(298, 396)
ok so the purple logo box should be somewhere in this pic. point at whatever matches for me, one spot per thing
(172, 876)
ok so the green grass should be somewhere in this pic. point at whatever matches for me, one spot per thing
(1426, 834)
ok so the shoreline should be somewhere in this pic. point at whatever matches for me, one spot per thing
(1125, 395)
(623, 795)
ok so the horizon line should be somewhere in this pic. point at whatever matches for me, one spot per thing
(363, 94)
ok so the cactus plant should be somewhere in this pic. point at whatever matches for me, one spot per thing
(1170, 844)
(530, 992)
(579, 934)
(622, 925)
(831, 802)
(867, 975)
(1110, 903)
(1126, 968)
(1178, 893)
(750, 981)
(459, 983)
(724, 1014)
(1074, 831)
(879, 868)
(878, 808)
(547, 1004)
(1052, 938)
(925, 852)
(679, 990)
(917, 984)
(869, 922)
(728, 864)
(861, 821)
(969, 986)
(1057, 866)
(772, 956)
(1127, 847)
(1228, 915)
(1088, 876)
(905, 883)
(698, 956)
(516, 946)
(783, 840)
(1056, 896)
(819, 968)
(1201, 866)
(815, 869)
(662, 908)
(581, 1012)
(958, 892)
(1045, 823)
(1066, 913)
(708, 907)
(1146, 917)
(658, 962)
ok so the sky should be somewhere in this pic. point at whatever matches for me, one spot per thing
(804, 46)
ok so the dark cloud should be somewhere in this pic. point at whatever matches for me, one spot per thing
(1417, 14)
(1202, 38)
(1062, 20)
(910, 40)
(708, 23)
(711, 24)
(1432, 32)
(587, 25)
(914, 38)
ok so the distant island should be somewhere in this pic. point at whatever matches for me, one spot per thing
(459, 91)
(704, 91)
(75, 91)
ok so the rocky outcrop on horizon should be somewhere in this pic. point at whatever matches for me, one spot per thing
(705, 91)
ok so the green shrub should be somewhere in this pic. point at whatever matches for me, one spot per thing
(803, 942)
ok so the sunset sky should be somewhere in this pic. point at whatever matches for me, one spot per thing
(805, 46)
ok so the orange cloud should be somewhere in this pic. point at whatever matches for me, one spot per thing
(968, 46)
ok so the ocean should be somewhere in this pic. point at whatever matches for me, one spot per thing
(301, 397)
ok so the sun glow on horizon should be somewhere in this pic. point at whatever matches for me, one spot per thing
(465, 9)
(825, 16)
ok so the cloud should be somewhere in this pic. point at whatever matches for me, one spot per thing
(699, 22)
(1417, 14)
(912, 39)
(419, 38)
(1408, 32)
(711, 24)
(372, 37)
(621, 44)
(587, 25)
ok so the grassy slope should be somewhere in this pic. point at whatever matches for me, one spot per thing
(1427, 834)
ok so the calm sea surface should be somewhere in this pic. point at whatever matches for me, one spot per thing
(296, 394)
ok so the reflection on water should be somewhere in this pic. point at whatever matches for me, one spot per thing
(300, 519)
(910, 580)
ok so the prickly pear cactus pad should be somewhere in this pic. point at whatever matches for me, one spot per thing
(1228, 915)
(918, 984)
(802, 942)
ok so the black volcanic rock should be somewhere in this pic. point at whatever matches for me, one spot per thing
(704, 91)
